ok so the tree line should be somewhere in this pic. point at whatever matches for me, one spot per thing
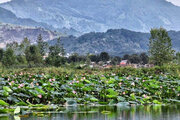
(42, 54)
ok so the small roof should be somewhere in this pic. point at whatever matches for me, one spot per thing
(124, 62)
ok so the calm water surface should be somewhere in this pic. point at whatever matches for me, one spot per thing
(156, 112)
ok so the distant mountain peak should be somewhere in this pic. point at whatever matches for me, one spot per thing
(99, 15)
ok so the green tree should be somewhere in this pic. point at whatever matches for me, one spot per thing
(9, 58)
(33, 55)
(21, 59)
(1, 54)
(74, 58)
(56, 54)
(24, 44)
(126, 57)
(104, 56)
(59, 46)
(14, 46)
(94, 58)
(144, 58)
(42, 45)
(178, 57)
(116, 60)
(54, 51)
(134, 58)
(160, 47)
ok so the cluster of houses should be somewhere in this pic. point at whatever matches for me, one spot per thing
(123, 63)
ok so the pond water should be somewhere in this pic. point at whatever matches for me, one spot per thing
(155, 112)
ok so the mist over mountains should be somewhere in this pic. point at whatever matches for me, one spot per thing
(115, 26)
(99, 15)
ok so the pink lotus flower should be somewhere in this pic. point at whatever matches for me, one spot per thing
(77, 81)
(22, 85)
(124, 93)
(10, 84)
(74, 92)
(120, 84)
(143, 80)
(50, 80)
(53, 79)
(39, 96)
(145, 96)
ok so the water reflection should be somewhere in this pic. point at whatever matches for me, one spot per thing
(156, 112)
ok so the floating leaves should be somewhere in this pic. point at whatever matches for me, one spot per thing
(17, 110)
(3, 103)
(102, 87)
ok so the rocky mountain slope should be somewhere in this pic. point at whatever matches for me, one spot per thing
(10, 33)
(7, 16)
(99, 15)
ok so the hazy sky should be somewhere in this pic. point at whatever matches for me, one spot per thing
(176, 2)
(2, 1)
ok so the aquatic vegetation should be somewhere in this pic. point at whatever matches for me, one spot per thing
(27, 89)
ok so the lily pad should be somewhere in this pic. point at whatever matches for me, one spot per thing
(17, 110)
(3, 103)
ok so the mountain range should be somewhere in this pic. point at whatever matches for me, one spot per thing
(83, 16)
(116, 42)
(7, 16)
(90, 26)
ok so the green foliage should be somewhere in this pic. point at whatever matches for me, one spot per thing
(9, 58)
(144, 58)
(7, 89)
(137, 58)
(1, 54)
(33, 55)
(21, 59)
(56, 55)
(160, 47)
(17, 110)
(43, 46)
(127, 85)
(3, 103)
(178, 57)
(104, 56)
